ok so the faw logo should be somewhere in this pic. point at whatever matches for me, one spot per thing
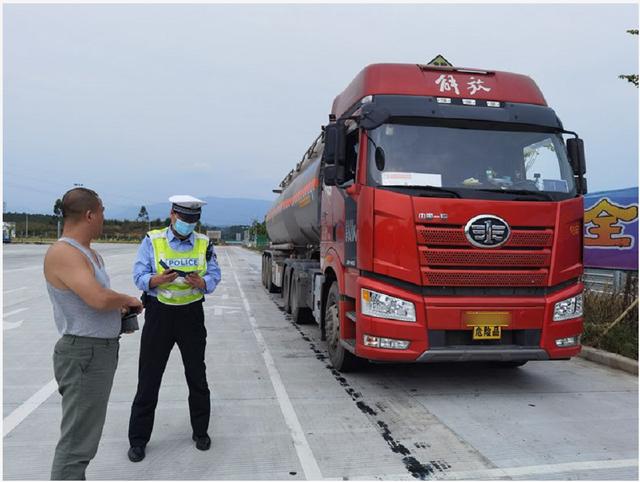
(350, 231)
(487, 231)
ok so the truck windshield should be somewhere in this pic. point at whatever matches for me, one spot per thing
(466, 159)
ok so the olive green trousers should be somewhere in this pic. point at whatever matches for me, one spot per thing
(84, 369)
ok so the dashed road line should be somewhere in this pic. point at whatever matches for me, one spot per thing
(303, 450)
(12, 420)
(15, 312)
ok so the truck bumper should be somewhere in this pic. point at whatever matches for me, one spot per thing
(482, 353)
(440, 333)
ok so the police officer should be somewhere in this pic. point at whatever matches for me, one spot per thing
(174, 267)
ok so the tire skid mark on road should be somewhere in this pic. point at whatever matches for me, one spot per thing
(417, 469)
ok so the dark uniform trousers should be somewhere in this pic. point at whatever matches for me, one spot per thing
(165, 325)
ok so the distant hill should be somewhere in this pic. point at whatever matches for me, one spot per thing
(217, 212)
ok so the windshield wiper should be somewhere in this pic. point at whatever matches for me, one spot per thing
(430, 189)
(541, 195)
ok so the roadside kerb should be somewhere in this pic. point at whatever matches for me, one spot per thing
(611, 360)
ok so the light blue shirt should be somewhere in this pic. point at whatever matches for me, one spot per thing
(145, 266)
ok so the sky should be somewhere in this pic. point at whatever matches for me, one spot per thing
(140, 102)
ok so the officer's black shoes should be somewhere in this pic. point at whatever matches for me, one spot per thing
(136, 454)
(202, 443)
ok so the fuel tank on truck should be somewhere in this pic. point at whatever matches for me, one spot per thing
(295, 216)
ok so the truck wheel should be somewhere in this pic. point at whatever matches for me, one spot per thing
(264, 270)
(341, 359)
(299, 314)
(270, 286)
(286, 289)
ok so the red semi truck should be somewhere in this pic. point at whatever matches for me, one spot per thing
(437, 217)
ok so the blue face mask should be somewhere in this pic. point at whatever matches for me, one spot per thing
(184, 229)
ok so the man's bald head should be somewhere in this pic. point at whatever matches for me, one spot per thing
(77, 201)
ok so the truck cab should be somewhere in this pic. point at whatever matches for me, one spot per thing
(451, 219)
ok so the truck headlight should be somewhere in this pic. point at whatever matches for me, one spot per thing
(567, 309)
(379, 305)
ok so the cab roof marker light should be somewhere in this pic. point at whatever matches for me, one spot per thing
(493, 103)
(444, 100)
(469, 101)
(473, 71)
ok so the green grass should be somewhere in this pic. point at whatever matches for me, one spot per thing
(600, 310)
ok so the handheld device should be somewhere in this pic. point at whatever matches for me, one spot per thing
(180, 272)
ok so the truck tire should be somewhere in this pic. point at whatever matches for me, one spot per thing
(264, 270)
(286, 289)
(271, 288)
(301, 315)
(341, 359)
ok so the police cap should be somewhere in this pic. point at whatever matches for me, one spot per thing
(187, 206)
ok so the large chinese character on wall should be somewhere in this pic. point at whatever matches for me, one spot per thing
(611, 229)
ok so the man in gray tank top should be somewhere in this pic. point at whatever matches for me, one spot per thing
(87, 314)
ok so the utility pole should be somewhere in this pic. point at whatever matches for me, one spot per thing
(26, 234)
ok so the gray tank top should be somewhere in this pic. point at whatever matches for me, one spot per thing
(73, 316)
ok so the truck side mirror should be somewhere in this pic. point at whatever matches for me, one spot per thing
(330, 175)
(334, 143)
(575, 150)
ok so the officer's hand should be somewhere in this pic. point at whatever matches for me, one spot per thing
(166, 276)
(195, 281)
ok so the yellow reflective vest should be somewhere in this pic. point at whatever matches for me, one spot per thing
(178, 292)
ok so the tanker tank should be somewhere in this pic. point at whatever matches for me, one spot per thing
(294, 217)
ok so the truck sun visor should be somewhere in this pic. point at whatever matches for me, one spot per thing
(385, 107)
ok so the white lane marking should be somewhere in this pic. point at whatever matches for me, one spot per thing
(10, 325)
(15, 312)
(12, 420)
(14, 290)
(303, 450)
(229, 310)
(529, 471)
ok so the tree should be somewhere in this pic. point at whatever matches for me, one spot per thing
(258, 228)
(57, 210)
(143, 215)
(633, 78)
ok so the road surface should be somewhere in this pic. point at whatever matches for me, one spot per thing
(281, 412)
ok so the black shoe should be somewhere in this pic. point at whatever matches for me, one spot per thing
(202, 443)
(136, 454)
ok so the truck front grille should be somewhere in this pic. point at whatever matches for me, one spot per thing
(447, 258)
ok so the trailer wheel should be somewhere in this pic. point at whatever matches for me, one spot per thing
(286, 289)
(270, 286)
(341, 359)
(300, 315)
(264, 270)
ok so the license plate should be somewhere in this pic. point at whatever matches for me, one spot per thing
(487, 332)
